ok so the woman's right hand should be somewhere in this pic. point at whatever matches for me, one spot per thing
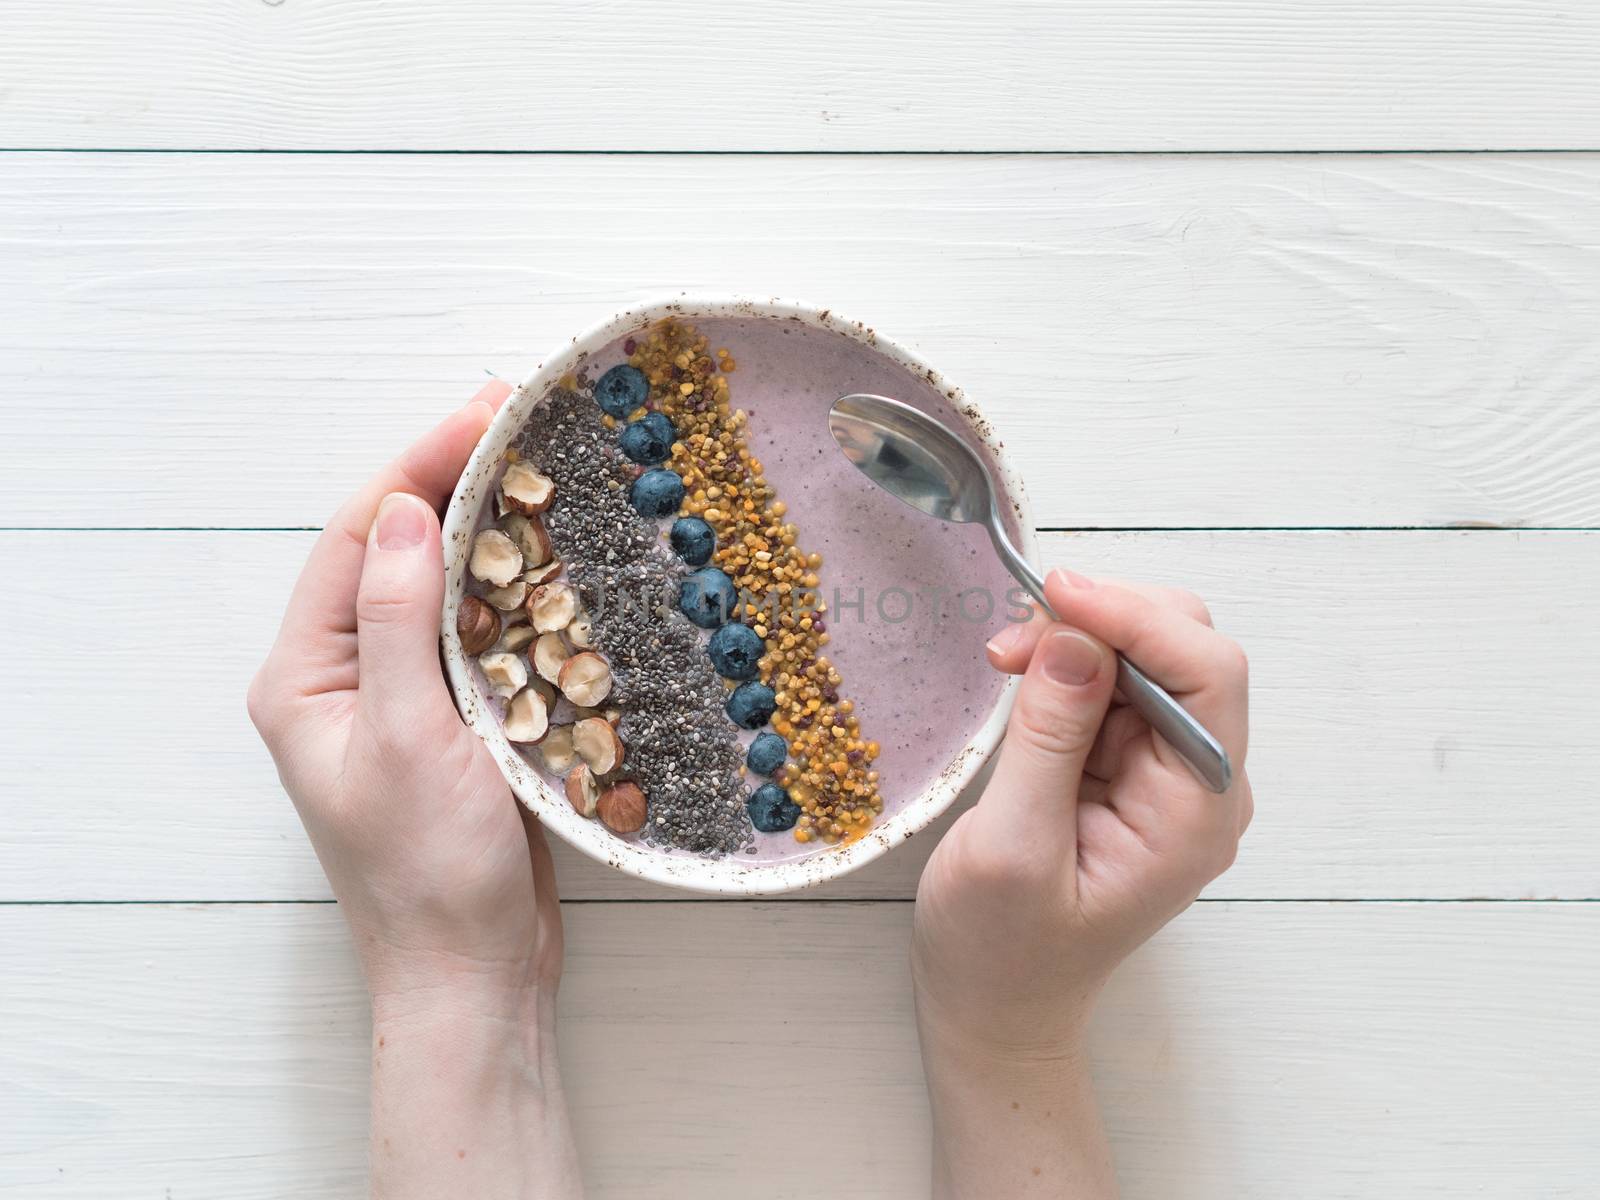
(1091, 835)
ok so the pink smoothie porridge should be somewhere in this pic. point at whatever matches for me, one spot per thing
(701, 623)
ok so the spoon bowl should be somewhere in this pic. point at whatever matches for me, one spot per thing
(912, 457)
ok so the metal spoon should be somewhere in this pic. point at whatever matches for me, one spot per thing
(914, 457)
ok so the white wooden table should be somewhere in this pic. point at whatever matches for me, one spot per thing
(1345, 382)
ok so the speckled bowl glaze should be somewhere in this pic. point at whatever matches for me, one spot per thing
(717, 875)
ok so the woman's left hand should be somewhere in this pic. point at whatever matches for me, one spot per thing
(444, 878)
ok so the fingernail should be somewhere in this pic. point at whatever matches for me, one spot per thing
(1072, 578)
(1008, 637)
(402, 522)
(1070, 658)
(489, 393)
(487, 399)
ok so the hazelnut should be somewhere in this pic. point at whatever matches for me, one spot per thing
(585, 679)
(552, 606)
(506, 673)
(550, 654)
(621, 808)
(542, 574)
(477, 625)
(530, 538)
(525, 490)
(581, 632)
(557, 751)
(583, 790)
(495, 558)
(527, 717)
(509, 598)
(597, 744)
(516, 637)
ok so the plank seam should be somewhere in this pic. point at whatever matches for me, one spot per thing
(871, 153)
(191, 903)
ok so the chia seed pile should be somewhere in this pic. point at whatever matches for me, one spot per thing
(681, 747)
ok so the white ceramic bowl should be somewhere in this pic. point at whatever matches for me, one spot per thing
(720, 875)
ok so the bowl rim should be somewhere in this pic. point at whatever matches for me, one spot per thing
(726, 875)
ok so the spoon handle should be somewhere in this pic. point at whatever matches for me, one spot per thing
(1204, 754)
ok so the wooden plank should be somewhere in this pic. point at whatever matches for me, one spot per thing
(1164, 342)
(1250, 1052)
(717, 75)
(1423, 714)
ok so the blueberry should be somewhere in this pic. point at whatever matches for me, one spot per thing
(649, 439)
(621, 390)
(766, 754)
(771, 810)
(656, 493)
(751, 704)
(736, 651)
(694, 541)
(707, 597)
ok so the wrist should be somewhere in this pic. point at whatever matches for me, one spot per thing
(414, 977)
(466, 1094)
(1031, 1059)
(1013, 1115)
(433, 996)
(1018, 1031)
(510, 1023)
(486, 1045)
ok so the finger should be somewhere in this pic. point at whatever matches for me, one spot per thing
(397, 607)
(1105, 840)
(1247, 808)
(1196, 664)
(1190, 605)
(1176, 598)
(1011, 648)
(1033, 794)
(321, 613)
(1123, 727)
(1193, 832)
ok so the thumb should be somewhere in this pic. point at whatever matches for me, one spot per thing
(397, 614)
(1058, 713)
